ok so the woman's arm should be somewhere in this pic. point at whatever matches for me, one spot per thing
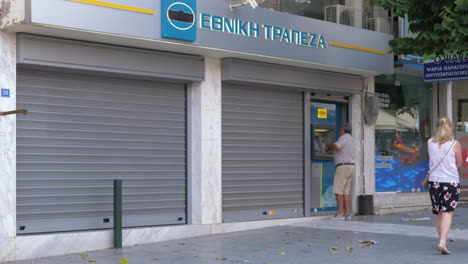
(458, 155)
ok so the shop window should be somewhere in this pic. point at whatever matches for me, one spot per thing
(401, 131)
(460, 114)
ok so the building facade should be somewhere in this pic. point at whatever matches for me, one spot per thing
(214, 116)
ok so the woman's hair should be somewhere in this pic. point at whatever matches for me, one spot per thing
(444, 131)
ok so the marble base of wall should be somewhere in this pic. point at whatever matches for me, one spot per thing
(37, 246)
(7, 249)
(386, 203)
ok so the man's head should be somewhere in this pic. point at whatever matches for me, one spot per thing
(347, 128)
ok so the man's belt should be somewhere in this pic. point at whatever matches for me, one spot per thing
(339, 164)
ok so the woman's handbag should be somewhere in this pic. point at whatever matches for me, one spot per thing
(425, 182)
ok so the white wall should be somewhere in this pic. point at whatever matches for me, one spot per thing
(205, 184)
(369, 146)
(7, 146)
(12, 12)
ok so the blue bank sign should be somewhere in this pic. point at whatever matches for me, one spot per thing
(209, 25)
(178, 19)
(451, 67)
(255, 30)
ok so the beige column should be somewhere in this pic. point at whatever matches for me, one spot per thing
(7, 146)
(369, 147)
(205, 204)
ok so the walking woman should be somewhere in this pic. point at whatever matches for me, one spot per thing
(445, 160)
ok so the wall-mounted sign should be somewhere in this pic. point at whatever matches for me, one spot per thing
(269, 32)
(322, 113)
(384, 99)
(209, 25)
(5, 92)
(450, 67)
(178, 19)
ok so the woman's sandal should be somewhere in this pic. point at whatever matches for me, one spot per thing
(443, 250)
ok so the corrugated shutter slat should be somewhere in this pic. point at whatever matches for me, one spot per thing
(263, 154)
(83, 132)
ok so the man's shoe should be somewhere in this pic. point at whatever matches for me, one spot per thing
(348, 217)
(337, 217)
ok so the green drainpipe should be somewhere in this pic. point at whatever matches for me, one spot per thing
(117, 213)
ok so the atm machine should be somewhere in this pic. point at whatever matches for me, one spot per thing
(326, 119)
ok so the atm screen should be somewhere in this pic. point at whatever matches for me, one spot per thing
(321, 136)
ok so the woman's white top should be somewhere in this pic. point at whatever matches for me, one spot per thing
(447, 171)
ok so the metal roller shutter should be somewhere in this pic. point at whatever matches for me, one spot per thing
(83, 132)
(263, 154)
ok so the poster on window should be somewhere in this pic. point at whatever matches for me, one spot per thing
(401, 132)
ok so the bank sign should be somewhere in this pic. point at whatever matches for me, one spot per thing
(209, 26)
(254, 30)
(178, 21)
(451, 67)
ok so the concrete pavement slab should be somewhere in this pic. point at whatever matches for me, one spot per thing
(314, 241)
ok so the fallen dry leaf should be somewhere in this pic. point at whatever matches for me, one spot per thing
(282, 253)
(415, 219)
(155, 259)
(335, 248)
(123, 261)
(349, 249)
(91, 260)
(221, 258)
(451, 240)
(333, 252)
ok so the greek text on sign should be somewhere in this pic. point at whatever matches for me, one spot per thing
(446, 68)
(255, 30)
(322, 113)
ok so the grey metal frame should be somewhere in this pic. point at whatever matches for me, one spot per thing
(307, 154)
(273, 76)
(60, 55)
(189, 155)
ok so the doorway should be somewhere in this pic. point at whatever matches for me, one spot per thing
(325, 123)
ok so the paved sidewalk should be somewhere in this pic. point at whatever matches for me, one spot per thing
(411, 240)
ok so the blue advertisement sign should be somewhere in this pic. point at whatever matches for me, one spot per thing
(452, 67)
(395, 174)
(178, 19)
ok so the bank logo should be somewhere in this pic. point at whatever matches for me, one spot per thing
(178, 19)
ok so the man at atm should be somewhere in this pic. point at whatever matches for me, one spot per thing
(344, 157)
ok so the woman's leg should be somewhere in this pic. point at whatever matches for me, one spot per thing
(445, 224)
(438, 220)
